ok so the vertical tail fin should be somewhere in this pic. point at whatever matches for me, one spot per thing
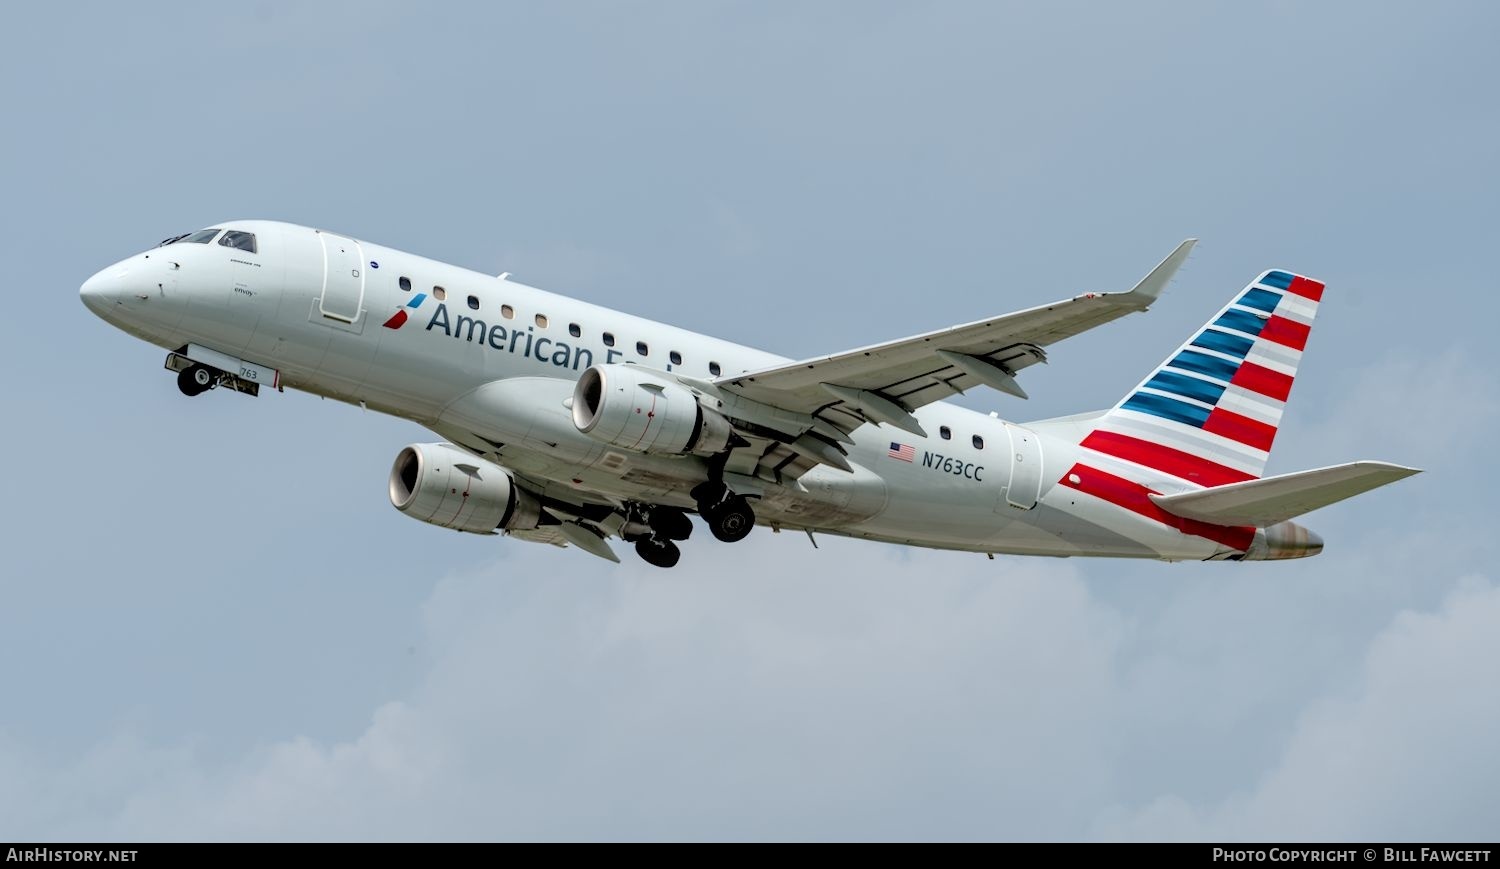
(1209, 413)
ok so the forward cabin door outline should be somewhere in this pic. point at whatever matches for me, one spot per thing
(343, 278)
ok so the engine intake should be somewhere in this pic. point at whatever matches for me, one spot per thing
(443, 485)
(635, 409)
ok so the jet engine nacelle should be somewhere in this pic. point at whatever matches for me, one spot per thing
(443, 485)
(635, 409)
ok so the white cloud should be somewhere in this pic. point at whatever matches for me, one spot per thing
(1407, 755)
(709, 702)
(879, 693)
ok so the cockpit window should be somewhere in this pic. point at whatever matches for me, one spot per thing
(202, 236)
(238, 240)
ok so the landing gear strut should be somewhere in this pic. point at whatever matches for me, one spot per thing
(196, 380)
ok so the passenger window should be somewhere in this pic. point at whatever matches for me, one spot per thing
(574, 330)
(439, 293)
(609, 339)
(474, 302)
(238, 240)
(406, 285)
(675, 357)
(978, 442)
(640, 348)
(945, 433)
(713, 368)
(507, 312)
(541, 321)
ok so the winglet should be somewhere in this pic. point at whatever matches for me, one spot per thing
(1150, 287)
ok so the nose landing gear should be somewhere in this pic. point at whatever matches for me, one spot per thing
(197, 379)
(208, 369)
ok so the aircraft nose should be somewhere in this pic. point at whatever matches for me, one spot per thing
(103, 290)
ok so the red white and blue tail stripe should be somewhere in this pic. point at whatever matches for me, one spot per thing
(1209, 414)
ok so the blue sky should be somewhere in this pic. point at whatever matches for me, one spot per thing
(214, 626)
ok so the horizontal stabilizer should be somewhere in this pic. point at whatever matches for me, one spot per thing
(1277, 499)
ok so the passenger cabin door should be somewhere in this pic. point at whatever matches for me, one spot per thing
(343, 278)
(1025, 468)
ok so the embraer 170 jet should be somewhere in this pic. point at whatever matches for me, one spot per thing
(569, 423)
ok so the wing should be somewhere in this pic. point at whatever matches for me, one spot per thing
(885, 382)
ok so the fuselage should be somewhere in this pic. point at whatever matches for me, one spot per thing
(490, 363)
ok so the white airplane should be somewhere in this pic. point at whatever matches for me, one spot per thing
(570, 423)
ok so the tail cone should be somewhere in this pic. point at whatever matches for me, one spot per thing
(1283, 540)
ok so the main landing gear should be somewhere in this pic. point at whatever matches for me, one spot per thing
(197, 379)
(728, 515)
(658, 552)
(654, 529)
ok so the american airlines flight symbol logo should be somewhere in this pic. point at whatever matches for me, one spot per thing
(398, 319)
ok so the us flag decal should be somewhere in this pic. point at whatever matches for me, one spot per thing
(904, 452)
